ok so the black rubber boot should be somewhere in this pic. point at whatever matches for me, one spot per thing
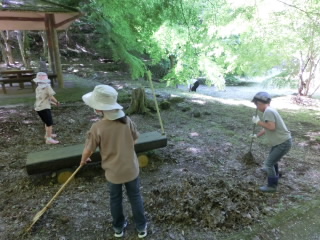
(272, 185)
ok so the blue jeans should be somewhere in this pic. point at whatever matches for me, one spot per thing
(275, 155)
(133, 192)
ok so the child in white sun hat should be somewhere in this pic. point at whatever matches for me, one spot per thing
(44, 98)
(115, 135)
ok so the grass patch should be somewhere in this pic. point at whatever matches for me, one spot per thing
(75, 88)
(306, 116)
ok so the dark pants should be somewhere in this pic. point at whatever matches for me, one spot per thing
(275, 155)
(133, 192)
(46, 117)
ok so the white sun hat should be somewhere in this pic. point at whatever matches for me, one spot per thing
(103, 97)
(41, 77)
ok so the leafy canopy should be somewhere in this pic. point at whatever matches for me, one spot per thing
(211, 38)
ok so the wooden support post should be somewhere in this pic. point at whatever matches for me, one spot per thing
(50, 44)
(53, 46)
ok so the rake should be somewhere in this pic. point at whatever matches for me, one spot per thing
(248, 157)
(40, 213)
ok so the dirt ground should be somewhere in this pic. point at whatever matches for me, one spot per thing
(198, 187)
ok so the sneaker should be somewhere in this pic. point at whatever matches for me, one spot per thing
(51, 141)
(142, 234)
(119, 234)
(52, 135)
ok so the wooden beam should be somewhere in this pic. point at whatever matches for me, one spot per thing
(67, 20)
(26, 19)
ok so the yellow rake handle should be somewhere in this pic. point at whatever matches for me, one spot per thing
(155, 101)
(63, 186)
(40, 213)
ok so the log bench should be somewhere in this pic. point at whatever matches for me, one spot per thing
(66, 157)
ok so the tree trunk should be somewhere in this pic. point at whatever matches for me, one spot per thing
(44, 38)
(172, 59)
(26, 46)
(307, 74)
(4, 54)
(67, 37)
(21, 47)
(7, 47)
(138, 102)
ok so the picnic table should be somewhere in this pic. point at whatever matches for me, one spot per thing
(16, 76)
(20, 76)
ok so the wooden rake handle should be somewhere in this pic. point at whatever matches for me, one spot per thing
(40, 213)
(63, 186)
(254, 128)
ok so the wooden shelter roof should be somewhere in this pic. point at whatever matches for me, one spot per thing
(30, 14)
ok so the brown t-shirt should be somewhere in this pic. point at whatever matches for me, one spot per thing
(116, 144)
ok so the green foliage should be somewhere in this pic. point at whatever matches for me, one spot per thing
(162, 29)
(211, 39)
(283, 36)
(208, 38)
(121, 37)
(231, 80)
(135, 64)
(281, 80)
(71, 3)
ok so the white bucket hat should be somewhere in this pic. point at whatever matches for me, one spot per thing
(103, 97)
(41, 77)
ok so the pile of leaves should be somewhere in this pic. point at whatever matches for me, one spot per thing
(206, 202)
(305, 101)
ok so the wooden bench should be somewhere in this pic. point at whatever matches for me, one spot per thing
(66, 157)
